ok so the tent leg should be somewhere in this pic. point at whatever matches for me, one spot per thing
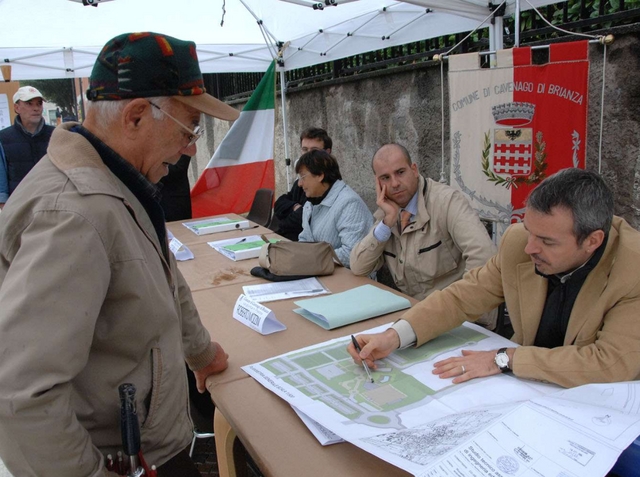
(283, 96)
(517, 25)
(492, 43)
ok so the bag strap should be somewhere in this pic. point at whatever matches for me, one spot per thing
(335, 257)
(333, 254)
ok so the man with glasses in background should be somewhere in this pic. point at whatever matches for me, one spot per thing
(288, 207)
(90, 295)
(23, 144)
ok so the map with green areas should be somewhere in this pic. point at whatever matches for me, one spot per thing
(328, 374)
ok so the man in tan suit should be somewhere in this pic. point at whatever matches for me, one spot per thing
(569, 277)
(426, 232)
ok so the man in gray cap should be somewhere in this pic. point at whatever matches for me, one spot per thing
(90, 295)
(24, 143)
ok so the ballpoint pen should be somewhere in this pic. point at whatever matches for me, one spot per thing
(364, 363)
(303, 292)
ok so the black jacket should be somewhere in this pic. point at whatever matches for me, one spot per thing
(176, 192)
(290, 221)
(22, 150)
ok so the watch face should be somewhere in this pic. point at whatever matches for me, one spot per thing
(502, 360)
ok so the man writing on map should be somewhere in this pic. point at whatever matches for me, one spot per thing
(569, 277)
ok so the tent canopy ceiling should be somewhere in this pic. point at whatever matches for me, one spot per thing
(59, 38)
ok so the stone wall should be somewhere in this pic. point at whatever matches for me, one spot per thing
(404, 105)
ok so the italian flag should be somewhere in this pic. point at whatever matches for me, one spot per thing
(515, 124)
(243, 163)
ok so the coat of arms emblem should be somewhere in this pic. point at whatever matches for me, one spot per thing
(511, 154)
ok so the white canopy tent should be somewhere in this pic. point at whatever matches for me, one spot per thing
(61, 38)
(43, 39)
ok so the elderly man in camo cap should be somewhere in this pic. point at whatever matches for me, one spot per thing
(90, 296)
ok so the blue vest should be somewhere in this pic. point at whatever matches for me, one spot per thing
(23, 151)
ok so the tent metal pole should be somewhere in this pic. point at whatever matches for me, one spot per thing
(283, 84)
(492, 43)
(283, 96)
(490, 52)
(499, 33)
(516, 33)
(35, 55)
(261, 25)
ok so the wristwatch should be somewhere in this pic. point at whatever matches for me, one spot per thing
(502, 360)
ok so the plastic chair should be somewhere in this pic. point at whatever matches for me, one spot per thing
(261, 208)
(274, 224)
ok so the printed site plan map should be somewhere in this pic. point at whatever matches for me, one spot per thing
(430, 427)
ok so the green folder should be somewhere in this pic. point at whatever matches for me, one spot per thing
(357, 304)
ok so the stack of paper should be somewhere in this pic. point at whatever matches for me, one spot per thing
(284, 290)
(499, 426)
(324, 435)
(216, 224)
(240, 248)
(357, 304)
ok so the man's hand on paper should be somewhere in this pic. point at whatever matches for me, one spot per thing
(219, 364)
(472, 364)
(389, 207)
(374, 347)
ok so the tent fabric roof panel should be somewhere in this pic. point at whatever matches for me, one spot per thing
(67, 36)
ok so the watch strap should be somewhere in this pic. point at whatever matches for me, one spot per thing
(506, 368)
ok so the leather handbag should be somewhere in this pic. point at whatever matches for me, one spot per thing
(298, 258)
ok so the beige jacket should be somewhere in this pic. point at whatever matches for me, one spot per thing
(446, 240)
(88, 302)
(602, 343)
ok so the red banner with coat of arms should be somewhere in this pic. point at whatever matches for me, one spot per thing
(515, 124)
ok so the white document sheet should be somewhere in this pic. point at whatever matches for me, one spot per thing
(284, 290)
(5, 116)
(430, 427)
(576, 432)
(324, 435)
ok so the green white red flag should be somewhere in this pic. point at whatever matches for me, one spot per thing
(243, 163)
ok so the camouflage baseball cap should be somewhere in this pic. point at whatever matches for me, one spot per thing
(144, 65)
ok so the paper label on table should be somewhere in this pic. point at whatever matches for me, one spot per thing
(256, 316)
(179, 250)
(5, 116)
(216, 224)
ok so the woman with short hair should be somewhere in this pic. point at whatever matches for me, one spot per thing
(334, 212)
